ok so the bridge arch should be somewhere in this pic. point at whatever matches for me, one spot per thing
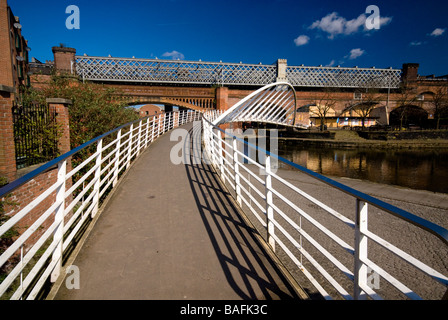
(196, 104)
(407, 115)
(275, 103)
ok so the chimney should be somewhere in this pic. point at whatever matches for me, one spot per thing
(64, 60)
(410, 72)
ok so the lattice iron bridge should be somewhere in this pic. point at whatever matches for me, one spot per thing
(219, 73)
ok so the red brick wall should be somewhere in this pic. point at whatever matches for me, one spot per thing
(149, 110)
(26, 193)
(7, 148)
(13, 72)
(22, 196)
(63, 58)
(6, 77)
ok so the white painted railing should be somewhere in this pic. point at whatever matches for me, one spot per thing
(285, 211)
(36, 255)
(352, 252)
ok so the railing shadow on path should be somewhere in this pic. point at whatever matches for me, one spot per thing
(240, 255)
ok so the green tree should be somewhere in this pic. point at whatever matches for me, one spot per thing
(95, 108)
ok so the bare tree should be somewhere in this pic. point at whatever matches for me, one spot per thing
(370, 98)
(323, 106)
(406, 99)
(439, 103)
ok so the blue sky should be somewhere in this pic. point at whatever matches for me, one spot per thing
(303, 32)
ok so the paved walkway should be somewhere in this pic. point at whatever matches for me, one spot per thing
(171, 232)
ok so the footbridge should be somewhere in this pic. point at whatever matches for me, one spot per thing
(177, 207)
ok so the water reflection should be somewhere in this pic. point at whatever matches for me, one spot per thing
(422, 169)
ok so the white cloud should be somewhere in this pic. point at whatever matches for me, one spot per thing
(175, 55)
(332, 62)
(384, 21)
(416, 43)
(331, 23)
(356, 53)
(334, 24)
(352, 26)
(437, 32)
(301, 40)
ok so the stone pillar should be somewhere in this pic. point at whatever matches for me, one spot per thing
(60, 107)
(281, 70)
(64, 60)
(222, 98)
(7, 148)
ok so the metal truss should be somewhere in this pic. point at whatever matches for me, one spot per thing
(209, 73)
(169, 71)
(274, 103)
(338, 77)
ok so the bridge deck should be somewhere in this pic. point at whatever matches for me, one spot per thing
(171, 232)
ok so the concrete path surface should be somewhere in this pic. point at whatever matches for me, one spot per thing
(171, 232)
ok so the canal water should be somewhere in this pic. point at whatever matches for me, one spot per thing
(416, 169)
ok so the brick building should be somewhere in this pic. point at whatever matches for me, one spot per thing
(149, 110)
(14, 51)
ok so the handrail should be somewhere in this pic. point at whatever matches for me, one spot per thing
(51, 164)
(55, 217)
(262, 106)
(435, 229)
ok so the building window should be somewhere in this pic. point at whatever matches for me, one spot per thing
(357, 95)
(20, 71)
(18, 42)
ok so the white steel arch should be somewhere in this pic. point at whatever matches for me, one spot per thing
(274, 103)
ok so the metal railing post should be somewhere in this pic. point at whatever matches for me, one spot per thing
(131, 136)
(153, 131)
(59, 219)
(96, 188)
(117, 158)
(139, 138)
(168, 122)
(360, 249)
(269, 201)
(221, 155)
(211, 147)
(147, 133)
(237, 171)
(159, 125)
